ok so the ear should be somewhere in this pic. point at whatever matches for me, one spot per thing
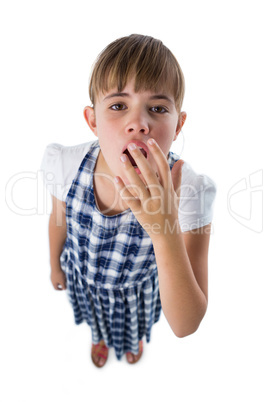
(89, 115)
(181, 121)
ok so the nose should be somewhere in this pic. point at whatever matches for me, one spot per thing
(137, 124)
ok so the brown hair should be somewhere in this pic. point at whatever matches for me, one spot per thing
(148, 59)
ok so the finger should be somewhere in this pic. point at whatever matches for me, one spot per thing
(176, 174)
(132, 202)
(55, 286)
(136, 186)
(161, 161)
(150, 177)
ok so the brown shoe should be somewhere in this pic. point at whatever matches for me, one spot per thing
(131, 358)
(99, 354)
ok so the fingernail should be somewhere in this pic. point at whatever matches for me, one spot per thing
(151, 141)
(132, 146)
(123, 158)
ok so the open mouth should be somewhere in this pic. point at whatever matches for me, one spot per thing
(132, 160)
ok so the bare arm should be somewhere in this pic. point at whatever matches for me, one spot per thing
(57, 237)
(181, 258)
(182, 262)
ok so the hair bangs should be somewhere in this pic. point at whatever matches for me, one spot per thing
(146, 59)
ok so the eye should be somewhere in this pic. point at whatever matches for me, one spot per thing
(118, 106)
(158, 109)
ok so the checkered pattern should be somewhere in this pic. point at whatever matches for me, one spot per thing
(109, 261)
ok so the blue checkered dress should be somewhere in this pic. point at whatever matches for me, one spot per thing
(110, 266)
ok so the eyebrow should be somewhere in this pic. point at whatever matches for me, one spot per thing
(116, 94)
(125, 95)
(161, 96)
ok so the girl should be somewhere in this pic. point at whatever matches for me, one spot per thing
(130, 224)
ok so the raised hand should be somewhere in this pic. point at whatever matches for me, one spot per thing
(154, 200)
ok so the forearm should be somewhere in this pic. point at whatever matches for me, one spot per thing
(57, 237)
(183, 302)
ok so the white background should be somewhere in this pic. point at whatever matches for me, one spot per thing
(47, 49)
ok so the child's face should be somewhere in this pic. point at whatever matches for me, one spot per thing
(120, 118)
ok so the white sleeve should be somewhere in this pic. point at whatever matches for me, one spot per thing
(196, 200)
(59, 167)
